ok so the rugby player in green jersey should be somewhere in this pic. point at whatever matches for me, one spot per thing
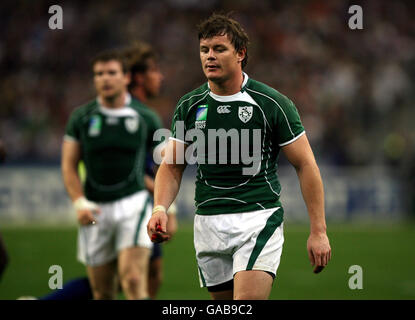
(238, 226)
(112, 135)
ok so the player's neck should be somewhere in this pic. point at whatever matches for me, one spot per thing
(114, 102)
(227, 87)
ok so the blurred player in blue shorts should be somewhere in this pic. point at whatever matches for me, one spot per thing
(146, 79)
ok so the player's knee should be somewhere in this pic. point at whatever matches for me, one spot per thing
(250, 295)
(132, 281)
(103, 295)
(246, 296)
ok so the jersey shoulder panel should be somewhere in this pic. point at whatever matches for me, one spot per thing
(267, 94)
(281, 111)
(77, 117)
(192, 97)
(85, 109)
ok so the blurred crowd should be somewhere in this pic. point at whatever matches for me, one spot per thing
(354, 88)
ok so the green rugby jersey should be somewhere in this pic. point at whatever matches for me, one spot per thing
(114, 144)
(259, 121)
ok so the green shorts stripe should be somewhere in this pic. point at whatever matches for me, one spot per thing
(140, 221)
(202, 277)
(273, 222)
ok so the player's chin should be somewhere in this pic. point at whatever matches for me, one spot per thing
(108, 93)
(213, 75)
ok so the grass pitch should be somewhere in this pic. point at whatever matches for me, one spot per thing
(385, 253)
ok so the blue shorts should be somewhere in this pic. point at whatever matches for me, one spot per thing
(157, 252)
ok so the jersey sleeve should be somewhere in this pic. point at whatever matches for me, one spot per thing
(178, 127)
(289, 126)
(72, 130)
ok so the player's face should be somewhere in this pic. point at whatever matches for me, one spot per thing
(152, 79)
(220, 61)
(109, 79)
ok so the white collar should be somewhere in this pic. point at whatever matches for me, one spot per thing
(124, 111)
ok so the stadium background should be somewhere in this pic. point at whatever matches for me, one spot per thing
(354, 90)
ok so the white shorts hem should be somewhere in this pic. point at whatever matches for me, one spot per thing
(216, 283)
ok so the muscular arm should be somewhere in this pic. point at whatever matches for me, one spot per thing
(167, 185)
(71, 155)
(301, 156)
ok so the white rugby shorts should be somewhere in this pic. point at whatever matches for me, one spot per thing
(121, 224)
(228, 243)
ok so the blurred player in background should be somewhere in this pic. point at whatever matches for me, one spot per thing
(238, 227)
(146, 79)
(112, 135)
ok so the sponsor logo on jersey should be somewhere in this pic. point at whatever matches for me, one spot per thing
(95, 124)
(201, 116)
(245, 113)
(223, 109)
(131, 124)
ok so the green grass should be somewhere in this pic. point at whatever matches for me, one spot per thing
(385, 253)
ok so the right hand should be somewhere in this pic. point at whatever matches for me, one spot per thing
(85, 211)
(157, 227)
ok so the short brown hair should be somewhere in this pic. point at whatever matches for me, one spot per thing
(223, 24)
(137, 56)
(109, 55)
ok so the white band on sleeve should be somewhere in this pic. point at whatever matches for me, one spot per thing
(292, 140)
(175, 139)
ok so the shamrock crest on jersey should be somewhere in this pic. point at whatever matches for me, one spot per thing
(131, 124)
(245, 113)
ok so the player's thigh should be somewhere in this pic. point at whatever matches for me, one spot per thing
(103, 280)
(133, 261)
(252, 285)
(223, 291)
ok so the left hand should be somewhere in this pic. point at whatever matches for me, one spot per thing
(319, 250)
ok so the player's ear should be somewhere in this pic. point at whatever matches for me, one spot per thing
(127, 77)
(241, 54)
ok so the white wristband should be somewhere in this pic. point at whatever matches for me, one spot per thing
(83, 203)
(159, 208)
